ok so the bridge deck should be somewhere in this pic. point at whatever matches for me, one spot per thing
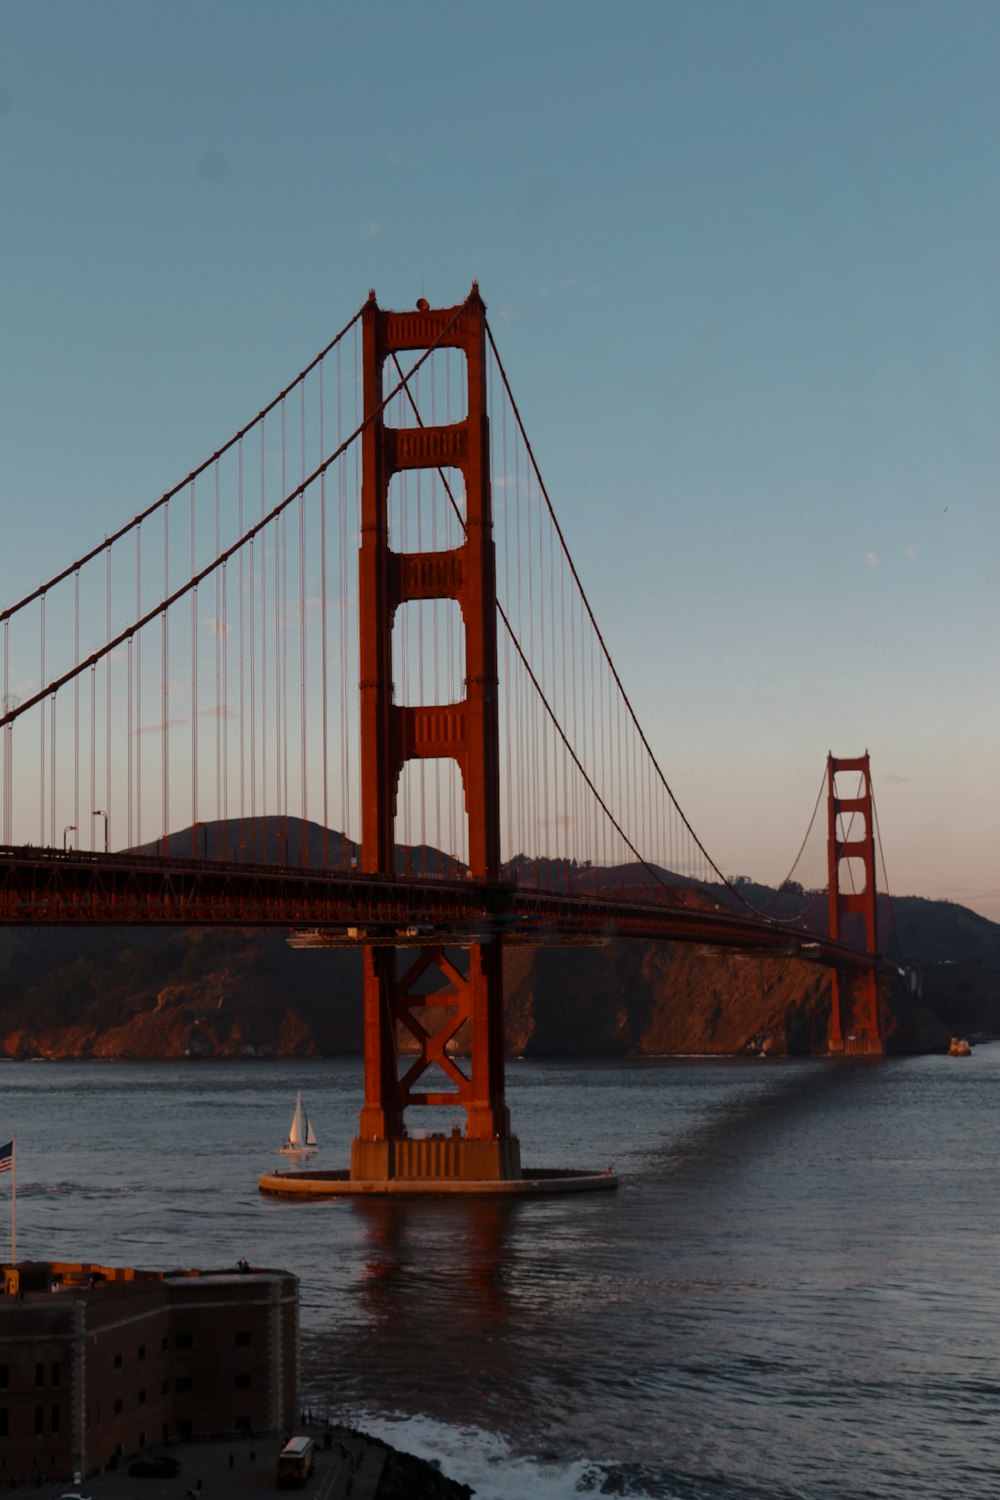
(345, 908)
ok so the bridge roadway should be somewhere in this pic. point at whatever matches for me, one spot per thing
(42, 886)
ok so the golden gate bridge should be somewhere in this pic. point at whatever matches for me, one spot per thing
(361, 613)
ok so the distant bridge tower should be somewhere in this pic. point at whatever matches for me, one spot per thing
(392, 734)
(854, 1018)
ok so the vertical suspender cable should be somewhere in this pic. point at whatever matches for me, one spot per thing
(197, 847)
(263, 653)
(138, 696)
(93, 750)
(107, 693)
(52, 774)
(242, 584)
(303, 753)
(284, 648)
(323, 635)
(279, 605)
(8, 745)
(226, 852)
(165, 686)
(219, 849)
(128, 747)
(76, 706)
(41, 724)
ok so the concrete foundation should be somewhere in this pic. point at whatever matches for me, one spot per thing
(860, 1044)
(435, 1157)
(536, 1183)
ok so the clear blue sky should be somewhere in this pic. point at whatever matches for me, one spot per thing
(743, 263)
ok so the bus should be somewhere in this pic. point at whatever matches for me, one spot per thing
(295, 1463)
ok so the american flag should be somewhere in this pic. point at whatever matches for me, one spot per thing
(7, 1157)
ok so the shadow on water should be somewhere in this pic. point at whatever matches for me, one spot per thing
(757, 1311)
(504, 1299)
(740, 1125)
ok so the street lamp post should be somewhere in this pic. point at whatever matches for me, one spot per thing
(70, 828)
(99, 813)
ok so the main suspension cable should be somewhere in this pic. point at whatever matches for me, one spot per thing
(14, 712)
(165, 499)
(607, 655)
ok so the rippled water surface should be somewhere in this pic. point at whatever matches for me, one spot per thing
(793, 1293)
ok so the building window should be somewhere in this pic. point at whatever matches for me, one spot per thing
(142, 1351)
(39, 1418)
(3, 1377)
(56, 1372)
(183, 1383)
(164, 1344)
(183, 1341)
(244, 1424)
(39, 1374)
(3, 1421)
(165, 1386)
(242, 1338)
(55, 1419)
(243, 1382)
(118, 1361)
(142, 1398)
(185, 1427)
(118, 1405)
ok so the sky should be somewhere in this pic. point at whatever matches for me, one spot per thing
(742, 263)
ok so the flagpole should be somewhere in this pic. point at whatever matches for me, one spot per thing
(13, 1200)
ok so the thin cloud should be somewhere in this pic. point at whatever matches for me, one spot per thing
(159, 728)
(577, 284)
(217, 712)
(871, 558)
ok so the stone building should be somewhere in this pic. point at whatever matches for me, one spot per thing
(98, 1363)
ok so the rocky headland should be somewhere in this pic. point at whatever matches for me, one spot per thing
(137, 992)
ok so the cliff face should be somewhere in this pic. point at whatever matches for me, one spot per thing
(192, 994)
(670, 999)
(214, 994)
(140, 992)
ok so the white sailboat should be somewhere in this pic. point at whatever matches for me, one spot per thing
(301, 1136)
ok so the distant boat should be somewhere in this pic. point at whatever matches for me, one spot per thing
(301, 1136)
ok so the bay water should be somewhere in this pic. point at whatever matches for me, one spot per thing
(795, 1292)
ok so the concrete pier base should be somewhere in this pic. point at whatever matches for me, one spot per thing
(436, 1157)
(533, 1183)
(858, 1044)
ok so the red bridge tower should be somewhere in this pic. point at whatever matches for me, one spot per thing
(392, 734)
(854, 1019)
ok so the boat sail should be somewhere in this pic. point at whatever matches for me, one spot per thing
(301, 1136)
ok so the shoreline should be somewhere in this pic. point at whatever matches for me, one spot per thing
(355, 1466)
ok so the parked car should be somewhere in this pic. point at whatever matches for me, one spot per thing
(154, 1468)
